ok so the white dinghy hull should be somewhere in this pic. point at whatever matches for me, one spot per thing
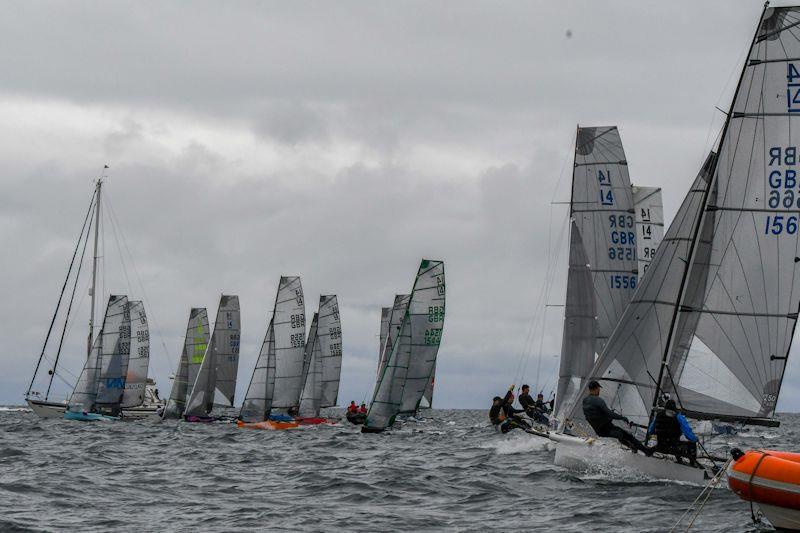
(577, 453)
(45, 409)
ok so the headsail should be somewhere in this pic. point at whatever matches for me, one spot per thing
(258, 399)
(290, 332)
(217, 375)
(396, 314)
(194, 346)
(427, 397)
(649, 224)
(139, 360)
(102, 363)
(413, 354)
(629, 364)
(312, 389)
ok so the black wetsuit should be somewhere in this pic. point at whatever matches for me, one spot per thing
(600, 417)
(511, 412)
(668, 434)
(534, 408)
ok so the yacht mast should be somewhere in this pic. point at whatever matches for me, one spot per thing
(92, 290)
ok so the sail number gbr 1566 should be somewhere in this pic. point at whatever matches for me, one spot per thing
(783, 190)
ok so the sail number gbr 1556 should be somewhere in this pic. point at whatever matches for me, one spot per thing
(783, 190)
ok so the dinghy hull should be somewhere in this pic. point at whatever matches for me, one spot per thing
(267, 425)
(87, 417)
(579, 453)
(200, 419)
(771, 480)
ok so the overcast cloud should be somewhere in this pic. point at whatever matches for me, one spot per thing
(342, 142)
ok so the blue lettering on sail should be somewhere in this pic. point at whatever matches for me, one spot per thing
(115, 383)
(792, 88)
(606, 193)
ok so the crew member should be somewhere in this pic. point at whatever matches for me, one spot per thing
(668, 425)
(511, 412)
(352, 408)
(498, 417)
(363, 409)
(534, 409)
(600, 417)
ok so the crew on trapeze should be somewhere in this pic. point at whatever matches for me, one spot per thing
(536, 409)
(668, 425)
(601, 418)
(504, 416)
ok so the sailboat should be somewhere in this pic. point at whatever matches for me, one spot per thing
(712, 323)
(194, 349)
(410, 362)
(139, 394)
(324, 362)
(277, 379)
(214, 387)
(603, 268)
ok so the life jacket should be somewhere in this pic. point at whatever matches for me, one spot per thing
(352, 408)
(668, 429)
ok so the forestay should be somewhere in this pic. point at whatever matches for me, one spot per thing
(649, 213)
(139, 360)
(194, 347)
(290, 331)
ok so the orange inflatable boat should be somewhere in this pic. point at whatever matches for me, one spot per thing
(266, 424)
(771, 480)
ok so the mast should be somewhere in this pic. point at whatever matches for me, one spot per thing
(704, 209)
(92, 289)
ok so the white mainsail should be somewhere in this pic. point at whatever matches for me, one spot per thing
(649, 224)
(216, 379)
(603, 271)
(290, 332)
(329, 339)
(410, 362)
(194, 346)
(139, 360)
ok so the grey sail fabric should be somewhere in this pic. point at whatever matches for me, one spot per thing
(258, 399)
(746, 320)
(196, 340)
(649, 224)
(290, 331)
(200, 335)
(308, 351)
(629, 364)
(426, 319)
(427, 396)
(329, 339)
(114, 352)
(226, 339)
(85, 392)
(386, 313)
(414, 349)
(602, 210)
(578, 342)
(312, 390)
(139, 360)
(398, 311)
(219, 362)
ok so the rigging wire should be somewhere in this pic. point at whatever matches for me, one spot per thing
(63, 290)
(151, 313)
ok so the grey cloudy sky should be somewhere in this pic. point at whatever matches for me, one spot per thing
(342, 142)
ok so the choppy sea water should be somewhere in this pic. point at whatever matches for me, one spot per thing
(451, 472)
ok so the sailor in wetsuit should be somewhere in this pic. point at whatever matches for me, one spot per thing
(534, 409)
(511, 412)
(600, 417)
(498, 417)
(668, 425)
